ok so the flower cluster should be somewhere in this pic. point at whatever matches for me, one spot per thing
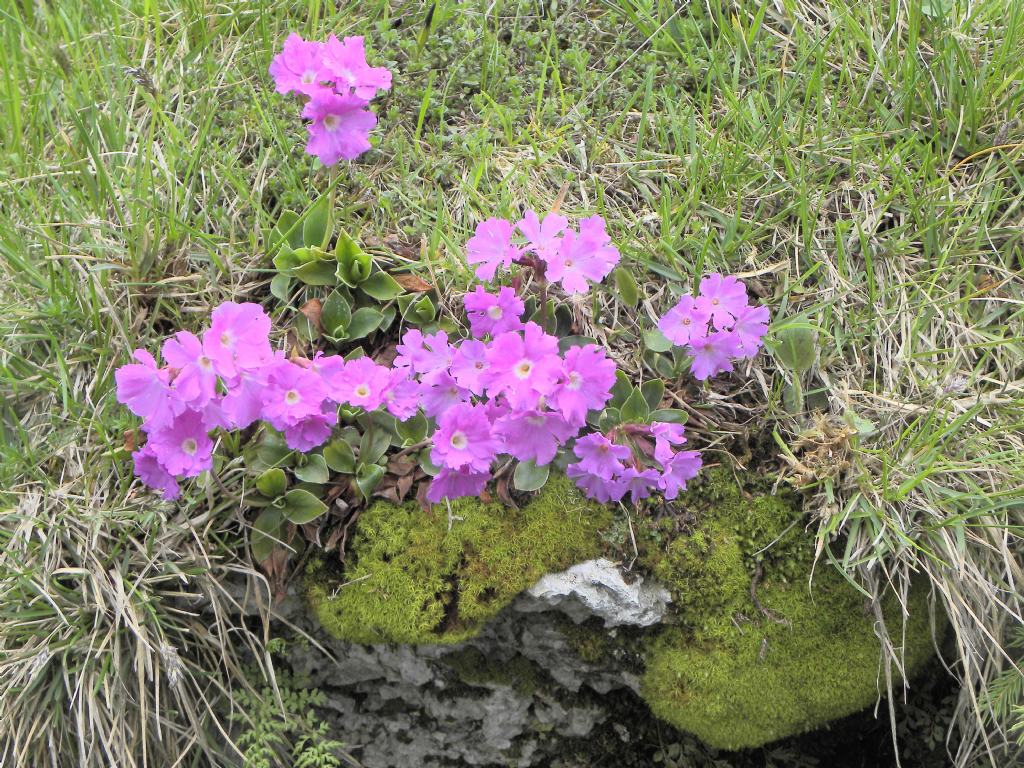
(634, 459)
(716, 327)
(338, 85)
(557, 252)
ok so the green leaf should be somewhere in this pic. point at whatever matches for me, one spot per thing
(671, 415)
(281, 286)
(336, 314)
(317, 227)
(568, 342)
(368, 477)
(339, 456)
(365, 320)
(794, 347)
(653, 390)
(286, 230)
(266, 533)
(271, 453)
(429, 467)
(286, 259)
(420, 311)
(663, 367)
(373, 445)
(381, 286)
(609, 418)
(655, 341)
(354, 266)
(301, 507)
(625, 283)
(314, 470)
(316, 272)
(305, 328)
(529, 477)
(620, 390)
(272, 483)
(635, 409)
(414, 429)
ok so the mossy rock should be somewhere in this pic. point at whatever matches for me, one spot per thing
(759, 654)
(409, 579)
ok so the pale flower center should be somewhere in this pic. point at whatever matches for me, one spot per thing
(331, 122)
(459, 441)
(362, 391)
(575, 380)
(568, 263)
(478, 365)
(309, 76)
(226, 339)
(523, 369)
(292, 397)
(205, 363)
(685, 321)
(189, 446)
(494, 312)
(714, 302)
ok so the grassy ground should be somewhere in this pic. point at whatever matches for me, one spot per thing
(860, 165)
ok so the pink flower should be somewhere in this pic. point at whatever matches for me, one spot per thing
(455, 483)
(686, 322)
(523, 366)
(292, 394)
(638, 483)
(587, 379)
(750, 327)
(340, 128)
(150, 472)
(713, 354)
(583, 257)
(682, 467)
(464, 439)
(490, 314)
(439, 392)
(600, 456)
(423, 354)
(491, 247)
(243, 403)
(298, 67)
(311, 431)
(402, 395)
(470, 365)
(345, 63)
(543, 238)
(666, 435)
(238, 338)
(144, 388)
(594, 487)
(362, 383)
(722, 297)
(196, 381)
(534, 435)
(183, 448)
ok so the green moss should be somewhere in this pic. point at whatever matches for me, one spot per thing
(474, 668)
(409, 579)
(738, 674)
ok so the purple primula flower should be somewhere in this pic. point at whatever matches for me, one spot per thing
(583, 258)
(299, 66)
(196, 380)
(465, 439)
(144, 388)
(600, 456)
(639, 483)
(455, 483)
(713, 354)
(424, 354)
(311, 431)
(491, 247)
(543, 238)
(750, 327)
(594, 487)
(683, 466)
(340, 126)
(524, 367)
(292, 393)
(402, 395)
(534, 435)
(344, 62)
(722, 297)
(666, 435)
(470, 365)
(686, 322)
(238, 338)
(149, 470)
(493, 314)
(439, 392)
(362, 383)
(243, 403)
(587, 379)
(183, 447)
